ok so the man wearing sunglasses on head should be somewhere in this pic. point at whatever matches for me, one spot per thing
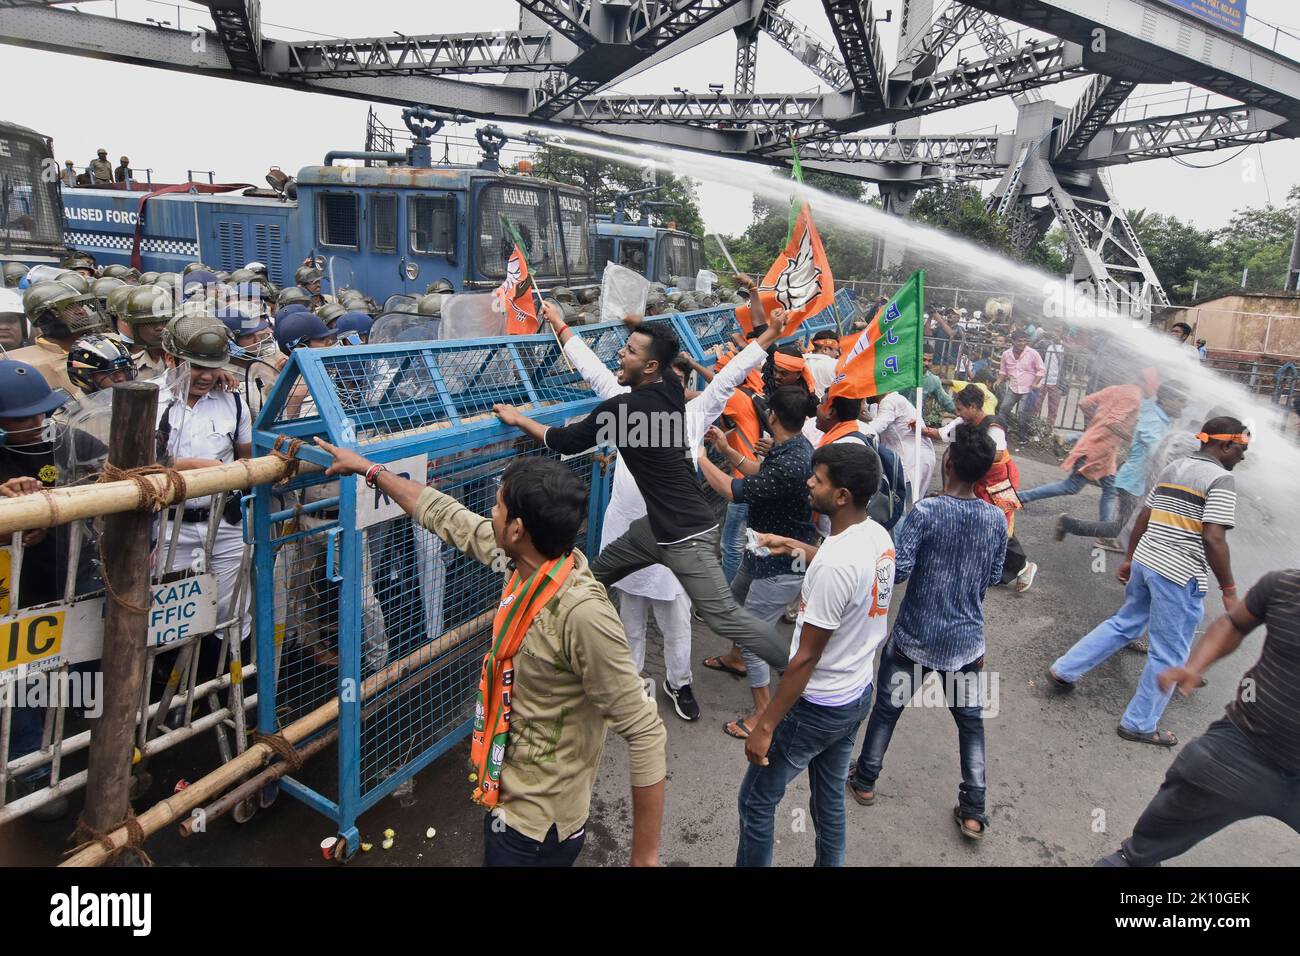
(1180, 536)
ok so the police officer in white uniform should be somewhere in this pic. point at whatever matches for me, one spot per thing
(211, 426)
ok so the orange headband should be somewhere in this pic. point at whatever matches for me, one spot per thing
(1241, 439)
(790, 363)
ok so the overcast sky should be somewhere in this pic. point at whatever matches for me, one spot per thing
(172, 122)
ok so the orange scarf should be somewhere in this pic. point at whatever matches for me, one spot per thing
(520, 603)
(838, 432)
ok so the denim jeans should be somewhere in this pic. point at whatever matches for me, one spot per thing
(809, 736)
(1106, 529)
(1072, 485)
(897, 681)
(506, 846)
(694, 563)
(1022, 405)
(733, 539)
(1168, 613)
(766, 599)
(1218, 779)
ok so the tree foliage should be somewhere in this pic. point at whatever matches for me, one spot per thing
(1211, 261)
(1185, 257)
(604, 178)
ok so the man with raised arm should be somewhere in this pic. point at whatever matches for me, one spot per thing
(648, 426)
(654, 588)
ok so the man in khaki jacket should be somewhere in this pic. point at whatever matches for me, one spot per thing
(573, 674)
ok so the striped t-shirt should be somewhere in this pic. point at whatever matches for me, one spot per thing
(1190, 493)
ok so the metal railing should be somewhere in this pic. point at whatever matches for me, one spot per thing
(194, 665)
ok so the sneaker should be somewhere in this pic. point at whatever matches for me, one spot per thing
(1025, 579)
(649, 688)
(1058, 532)
(683, 701)
(792, 612)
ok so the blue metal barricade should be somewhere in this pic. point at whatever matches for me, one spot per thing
(356, 602)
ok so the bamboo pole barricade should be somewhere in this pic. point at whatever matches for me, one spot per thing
(56, 506)
(208, 788)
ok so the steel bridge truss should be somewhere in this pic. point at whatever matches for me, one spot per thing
(566, 58)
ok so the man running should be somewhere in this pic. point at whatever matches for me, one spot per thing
(1247, 764)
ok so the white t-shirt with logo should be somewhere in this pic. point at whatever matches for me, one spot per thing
(847, 590)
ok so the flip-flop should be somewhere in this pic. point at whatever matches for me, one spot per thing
(719, 665)
(1160, 738)
(739, 722)
(966, 831)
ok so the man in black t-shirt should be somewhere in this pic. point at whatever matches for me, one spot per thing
(679, 530)
(1247, 764)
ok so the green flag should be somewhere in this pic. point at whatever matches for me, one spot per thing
(509, 229)
(887, 356)
(796, 173)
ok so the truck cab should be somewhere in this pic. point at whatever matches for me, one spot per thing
(391, 228)
(31, 207)
(661, 254)
(401, 228)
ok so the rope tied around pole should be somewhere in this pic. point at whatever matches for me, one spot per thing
(134, 839)
(286, 449)
(282, 748)
(149, 498)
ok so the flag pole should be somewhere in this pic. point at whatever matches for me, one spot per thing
(555, 334)
(725, 254)
(918, 493)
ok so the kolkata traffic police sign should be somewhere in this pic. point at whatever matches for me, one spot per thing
(36, 639)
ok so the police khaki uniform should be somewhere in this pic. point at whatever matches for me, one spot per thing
(144, 306)
(215, 425)
(61, 314)
(101, 170)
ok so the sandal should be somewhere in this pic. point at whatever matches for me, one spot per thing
(966, 831)
(718, 664)
(1159, 738)
(740, 723)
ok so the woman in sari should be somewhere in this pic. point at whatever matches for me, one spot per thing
(1000, 484)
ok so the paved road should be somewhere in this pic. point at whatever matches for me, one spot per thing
(1063, 788)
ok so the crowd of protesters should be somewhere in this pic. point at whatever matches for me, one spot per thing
(829, 504)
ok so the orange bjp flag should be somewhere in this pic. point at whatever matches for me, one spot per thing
(516, 296)
(800, 279)
(516, 290)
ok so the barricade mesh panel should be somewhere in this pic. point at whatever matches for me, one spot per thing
(418, 389)
(306, 609)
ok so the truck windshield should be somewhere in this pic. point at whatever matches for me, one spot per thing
(551, 230)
